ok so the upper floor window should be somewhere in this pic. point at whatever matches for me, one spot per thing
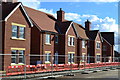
(15, 31)
(47, 39)
(98, 45)
(21, 32)
(71, 41)
(83, 43)
(18, 31)
(104, 48)
(56, 38)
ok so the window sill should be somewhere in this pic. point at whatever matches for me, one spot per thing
(17, 38)
(47, 44)
(71, 46)
(47, 62)
(13, 64)
(71, 63)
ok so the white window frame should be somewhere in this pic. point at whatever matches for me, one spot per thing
(71, 57)
(71, 41)
(47, 39)
(98, 45)
(83, 44)
(47, 57)
(97, 58)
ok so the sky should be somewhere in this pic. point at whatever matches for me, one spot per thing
(103, 14)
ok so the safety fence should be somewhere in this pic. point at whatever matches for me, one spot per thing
(21, 65)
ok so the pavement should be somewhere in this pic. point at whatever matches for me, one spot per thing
(101, 75)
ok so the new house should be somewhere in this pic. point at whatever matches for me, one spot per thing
(16, 33)
(34, 37)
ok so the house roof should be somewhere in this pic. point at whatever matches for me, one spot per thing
(108, 36)
(63, 26)
(9, 8)
(80, 31)
(44, 21)
(92, 34)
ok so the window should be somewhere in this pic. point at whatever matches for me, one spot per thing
(56, 58)
(71, 41)
(21, 57)
(48, 38)
(83, 43)
(83, 57)
(97, 58)
(14, 56)
(56, 38)
(71, 57)
(98, 45)
(15, 31)
(17, 56)
(18, 32)
(22, 32)
(104, 48)
(47, 57)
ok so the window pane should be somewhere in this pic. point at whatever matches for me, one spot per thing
(98, 57)
(22, 32)
(48, 38)
(56, 39)
(21, 56)
(14, 31)
(47, 57)
(14, 56)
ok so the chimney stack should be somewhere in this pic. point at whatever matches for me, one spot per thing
(87, 25)
(60, 15)
(12, 1)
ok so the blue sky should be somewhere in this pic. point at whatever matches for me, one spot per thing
(103, 15)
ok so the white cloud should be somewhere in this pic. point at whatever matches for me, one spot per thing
(31, 3)
(79, 0)
(72, 16)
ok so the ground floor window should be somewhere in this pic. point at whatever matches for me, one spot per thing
(56, 58)
(98, 58)
(71, 57)
(83, 57)
(17, 56)
(47, 57)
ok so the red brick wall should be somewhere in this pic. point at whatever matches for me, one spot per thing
(16, 17)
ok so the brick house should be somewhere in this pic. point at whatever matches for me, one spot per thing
(15, 38)
(95, 43)
(108, 46)
(72, 40)
(44, 37)
(31, 32)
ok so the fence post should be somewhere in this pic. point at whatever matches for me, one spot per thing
(24, 66)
